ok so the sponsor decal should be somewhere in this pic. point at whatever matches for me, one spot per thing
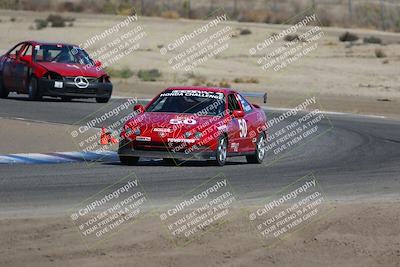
(205, 94)
(242, 127)
(222, 128)
(235, 146)
(143, 138)
(183, 121)
(181, 140)
(163, 130)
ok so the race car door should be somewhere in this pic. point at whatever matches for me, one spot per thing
(252, 120)
(239, 140)
(22, 69)
(9, 78)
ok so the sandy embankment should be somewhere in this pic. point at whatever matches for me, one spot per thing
(352, 234)
(20, 136)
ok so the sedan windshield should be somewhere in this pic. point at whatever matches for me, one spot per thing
(61, 54)
(190, 102)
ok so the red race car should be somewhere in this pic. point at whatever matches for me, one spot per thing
(195, 123)
(52, 69)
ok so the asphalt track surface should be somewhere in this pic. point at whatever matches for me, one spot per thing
(357, 159)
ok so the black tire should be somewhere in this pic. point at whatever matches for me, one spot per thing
(169, 161)
(130, 161)
(66, 98)
(3, 90)
(221, 152)
(259, 153)
(103, 99)
(34, 90)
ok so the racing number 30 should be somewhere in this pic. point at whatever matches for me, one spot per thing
(243, 128)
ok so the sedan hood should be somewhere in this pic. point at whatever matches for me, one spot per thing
(73, 70)
(172, 124)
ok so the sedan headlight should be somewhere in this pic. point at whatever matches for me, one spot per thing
(137, 131)
(198, 135)
(53, 76)
(188, 134)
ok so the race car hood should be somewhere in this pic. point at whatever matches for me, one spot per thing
(175, 125)
(72, 70)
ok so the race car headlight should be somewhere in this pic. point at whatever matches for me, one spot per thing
(187, 134)
(198, 135)
(137, 131)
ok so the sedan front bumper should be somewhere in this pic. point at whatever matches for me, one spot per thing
(125, 149)
(68, 88)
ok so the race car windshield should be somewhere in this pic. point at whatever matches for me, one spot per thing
(61, 54)
(189, 102)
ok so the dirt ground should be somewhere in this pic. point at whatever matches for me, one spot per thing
(352, 234)
(49, 137)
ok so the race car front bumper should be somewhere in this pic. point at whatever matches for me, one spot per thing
(69, 88)
(125, 149)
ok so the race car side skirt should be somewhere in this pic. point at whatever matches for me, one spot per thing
(206, 155)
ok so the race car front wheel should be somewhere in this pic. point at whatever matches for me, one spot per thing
(34, 90)
(169, 161)
(259, 153)
(221, 152)
(102, 99)
(127, 160)
(3, 90)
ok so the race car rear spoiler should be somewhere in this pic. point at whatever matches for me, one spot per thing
(256, 94)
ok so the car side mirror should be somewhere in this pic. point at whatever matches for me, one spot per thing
(238, 114)
(27, 59)
(97, 63)
(138, 108)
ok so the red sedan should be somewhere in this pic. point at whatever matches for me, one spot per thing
(195, 123)
(52, 69)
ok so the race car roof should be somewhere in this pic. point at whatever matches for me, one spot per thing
(33, 42)
(199, 88)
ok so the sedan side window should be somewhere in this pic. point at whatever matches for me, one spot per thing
(27, 51)
(14, 52)
(233, 104)
(246, 105)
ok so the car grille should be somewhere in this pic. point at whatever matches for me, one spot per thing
(90, 79)
(80, 90)
(159, 146)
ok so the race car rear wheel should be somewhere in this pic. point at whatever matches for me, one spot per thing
(34, 90)
(221, 152)
(259, 153)
(3, 90)
(103, 99)
(130, 161)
